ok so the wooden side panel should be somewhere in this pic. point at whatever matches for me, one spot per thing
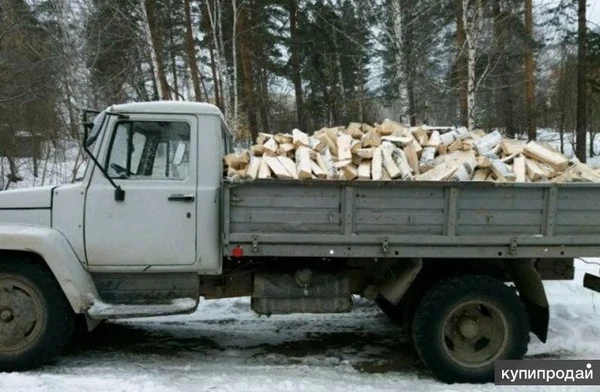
(500, 211)
(393, 211)
(260, 209)
(578, 212)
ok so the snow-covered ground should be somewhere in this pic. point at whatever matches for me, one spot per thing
(552, 137)
(59, 164)
(225, 347)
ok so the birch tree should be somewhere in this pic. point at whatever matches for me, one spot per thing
(472, 18)
(214, 8)
(148, 12)
(529, 72)
(190, 48)
(296, 72)
(400, 60)
(245, 44)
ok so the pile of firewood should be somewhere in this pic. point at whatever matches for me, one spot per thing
(392, 151)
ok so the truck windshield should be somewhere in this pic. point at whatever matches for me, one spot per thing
(95, 131)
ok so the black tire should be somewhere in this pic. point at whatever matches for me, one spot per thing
(402, 313)
(36, 320)
(463, 324)
(409, 304)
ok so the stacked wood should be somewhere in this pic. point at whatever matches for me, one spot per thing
(392, 151)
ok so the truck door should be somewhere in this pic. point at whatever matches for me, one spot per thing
(153, 159)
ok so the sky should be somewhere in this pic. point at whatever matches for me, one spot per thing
(593, 11)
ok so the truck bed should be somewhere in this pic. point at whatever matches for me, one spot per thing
(411, 219)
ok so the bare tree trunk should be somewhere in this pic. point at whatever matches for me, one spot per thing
(295, 63)
(264, 101)
(155, 90)
(505, 107)
(400, 61)
(148, 8)
(224, 79)
(207, 27)
(221, 68)
(529, 77)
(247, 73)
(461, 64)
(140, 86)
(590, 117)
(48, 150)
(173, 53)
(13, 176)
(412, 105)
(361, 93)
(213, 66)
(35, 155)
(561, 102)
(234, 57)
(470, 35)
(2, 176)
(190, 48)
(580, 146)
(409, 73)
(339, 76)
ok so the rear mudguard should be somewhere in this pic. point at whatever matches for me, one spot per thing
(531, 289)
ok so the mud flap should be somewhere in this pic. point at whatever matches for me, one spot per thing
(591, 282)
(531, 289)
(400, 278)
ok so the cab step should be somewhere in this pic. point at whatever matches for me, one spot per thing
(102, 310)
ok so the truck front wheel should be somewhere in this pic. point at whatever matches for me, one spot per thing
(36, 320)
(464, 324)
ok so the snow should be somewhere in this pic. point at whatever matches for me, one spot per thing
(58, 165)
(552, 137)
(223, 346)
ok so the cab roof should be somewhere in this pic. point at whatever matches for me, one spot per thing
(180, 107)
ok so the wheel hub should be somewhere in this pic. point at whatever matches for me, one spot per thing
(7, 315)
(468, 328)
(475, 333)
(21, 314)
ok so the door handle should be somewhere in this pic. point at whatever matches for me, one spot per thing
(182, 198)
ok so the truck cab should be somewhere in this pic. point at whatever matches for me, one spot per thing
(166, 158)
(148, 245)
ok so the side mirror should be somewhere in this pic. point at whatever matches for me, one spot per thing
(179, 153)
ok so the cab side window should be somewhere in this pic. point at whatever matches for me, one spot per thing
(149, 150)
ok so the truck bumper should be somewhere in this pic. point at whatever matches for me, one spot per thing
(591, 282)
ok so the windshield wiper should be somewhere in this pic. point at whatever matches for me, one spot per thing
(119, 192)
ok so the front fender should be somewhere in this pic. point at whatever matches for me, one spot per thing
(55, 250)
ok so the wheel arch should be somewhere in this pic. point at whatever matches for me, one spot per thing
(520, 271)
(48, 247)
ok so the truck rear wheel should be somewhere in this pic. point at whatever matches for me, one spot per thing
(36, 320)
(464, 324)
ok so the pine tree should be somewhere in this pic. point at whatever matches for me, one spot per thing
(582, 67)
